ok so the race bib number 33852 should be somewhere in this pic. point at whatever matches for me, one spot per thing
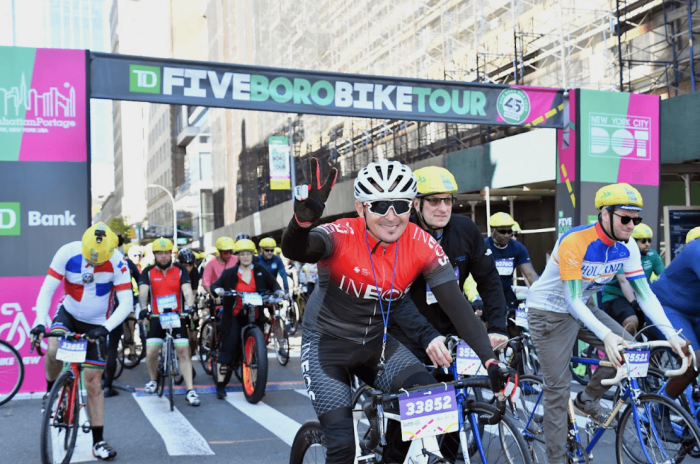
(428, 413)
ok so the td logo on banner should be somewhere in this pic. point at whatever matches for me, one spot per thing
(144, 79)
(9, 219)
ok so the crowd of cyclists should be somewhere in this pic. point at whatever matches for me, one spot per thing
(385, 289)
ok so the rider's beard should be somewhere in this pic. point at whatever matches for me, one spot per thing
(165, 266)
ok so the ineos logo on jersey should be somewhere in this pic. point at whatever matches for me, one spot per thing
(420, 234)
(369, 292)
(38, 219)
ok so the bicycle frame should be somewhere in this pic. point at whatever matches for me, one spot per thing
(76, 392)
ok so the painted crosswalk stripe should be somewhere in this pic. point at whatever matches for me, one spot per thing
(273, 420)
(179, 436)
(83, 443)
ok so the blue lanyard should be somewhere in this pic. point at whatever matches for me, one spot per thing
(385, 317)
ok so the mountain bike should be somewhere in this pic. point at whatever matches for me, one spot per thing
(11, 372)
(424, 413)
(61, 418)
(250, 359)
(651, 429)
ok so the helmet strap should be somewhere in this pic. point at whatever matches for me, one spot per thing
(611, 235)
(424, 224)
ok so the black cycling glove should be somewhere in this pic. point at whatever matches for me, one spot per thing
(310, 199)
(504, 380)
(38, 330)
(98, 332)
(144, 314)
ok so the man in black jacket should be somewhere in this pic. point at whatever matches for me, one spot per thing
(464, 245)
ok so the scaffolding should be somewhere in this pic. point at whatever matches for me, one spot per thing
(630, 45)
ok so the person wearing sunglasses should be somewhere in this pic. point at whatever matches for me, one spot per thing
(583, 260)
(509, 255)
(272, 262)
(618, 297)
(366, 266)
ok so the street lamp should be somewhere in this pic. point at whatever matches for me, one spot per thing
(174, 212)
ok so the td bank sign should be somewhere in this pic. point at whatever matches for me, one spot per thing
(10, 219)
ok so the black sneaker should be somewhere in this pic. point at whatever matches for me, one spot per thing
(221, 392)
(103, 451)
(110, 392)
(592, 409)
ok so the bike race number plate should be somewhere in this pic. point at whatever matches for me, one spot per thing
(72, 352)
(468, 363)
(169, 320)
(521, 316)
(428, 413)
(638, 361)
(253, 299)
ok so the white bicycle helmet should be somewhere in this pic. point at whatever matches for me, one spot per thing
(385, 180)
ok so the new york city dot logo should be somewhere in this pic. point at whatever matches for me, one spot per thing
(144, 79)
(620, 135)
(513, 105)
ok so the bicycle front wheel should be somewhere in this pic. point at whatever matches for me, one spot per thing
(171, 371)
(205, 345)
(661, 432)
(500, 443)
(254, 365)
(309, 445)
(281, 341)
(59, 426)
(11, 372)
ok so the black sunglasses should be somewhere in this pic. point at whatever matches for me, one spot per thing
(269, 250)
(505, 231)
(436, 201)
(381, 207)
(626, 219)
(644, 240)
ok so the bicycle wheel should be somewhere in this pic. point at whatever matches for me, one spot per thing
(59, 426)
(11, 372)
(309, 445)
(281, 342)
(119, 368)
(131, 348)
(663, 358)
(501, 443)
(204, 345)
(160, 376)
(663, 429)
(293, 316)
(529, 416)
(171, 370)
(254, 365)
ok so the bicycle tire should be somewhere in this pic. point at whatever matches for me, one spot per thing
(281, 342)
(309, 445)
(507, 447)
(678, 436)
(530, 408)
(254, 365)
(172, 372)
(137, 351)
(119, 368)
(205, 345)
(663, 358)
(15, 377)
(160, 375)
(65, 436)
(293, 317)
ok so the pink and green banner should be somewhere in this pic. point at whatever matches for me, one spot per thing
(619, 137)
(42, 105)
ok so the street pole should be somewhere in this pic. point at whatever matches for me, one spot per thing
(292, 167)
(174, 212)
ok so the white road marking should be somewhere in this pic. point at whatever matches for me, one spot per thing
(179, 436)
(83, 443)
(273, 420)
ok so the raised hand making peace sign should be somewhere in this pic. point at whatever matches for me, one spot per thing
(310, 199)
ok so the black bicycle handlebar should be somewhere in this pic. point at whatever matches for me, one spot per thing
(71, 336)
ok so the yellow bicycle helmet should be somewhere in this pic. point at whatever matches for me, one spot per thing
(502, 220)
(622, 196)
(267, 242)
(162, 244)
(642, 231)
(433, 180)
(692, 235)
(244, 245)
(99, 243)
(225, 244)
(278, 251)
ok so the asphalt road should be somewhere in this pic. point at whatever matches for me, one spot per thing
(143, 429)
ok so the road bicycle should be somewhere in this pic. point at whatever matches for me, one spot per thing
(61, 418)
(424, 414)
(168, 365)
(651, 429)
(250, 358)
(297, 305)
(11, 372)
(278, 329)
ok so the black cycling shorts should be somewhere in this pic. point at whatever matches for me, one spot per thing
(620, 309)
(65, 322)
(155, 333)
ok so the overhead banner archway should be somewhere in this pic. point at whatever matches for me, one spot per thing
(199, 83)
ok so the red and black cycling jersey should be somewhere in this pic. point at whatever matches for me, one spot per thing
(345, 303)
(165, 288)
